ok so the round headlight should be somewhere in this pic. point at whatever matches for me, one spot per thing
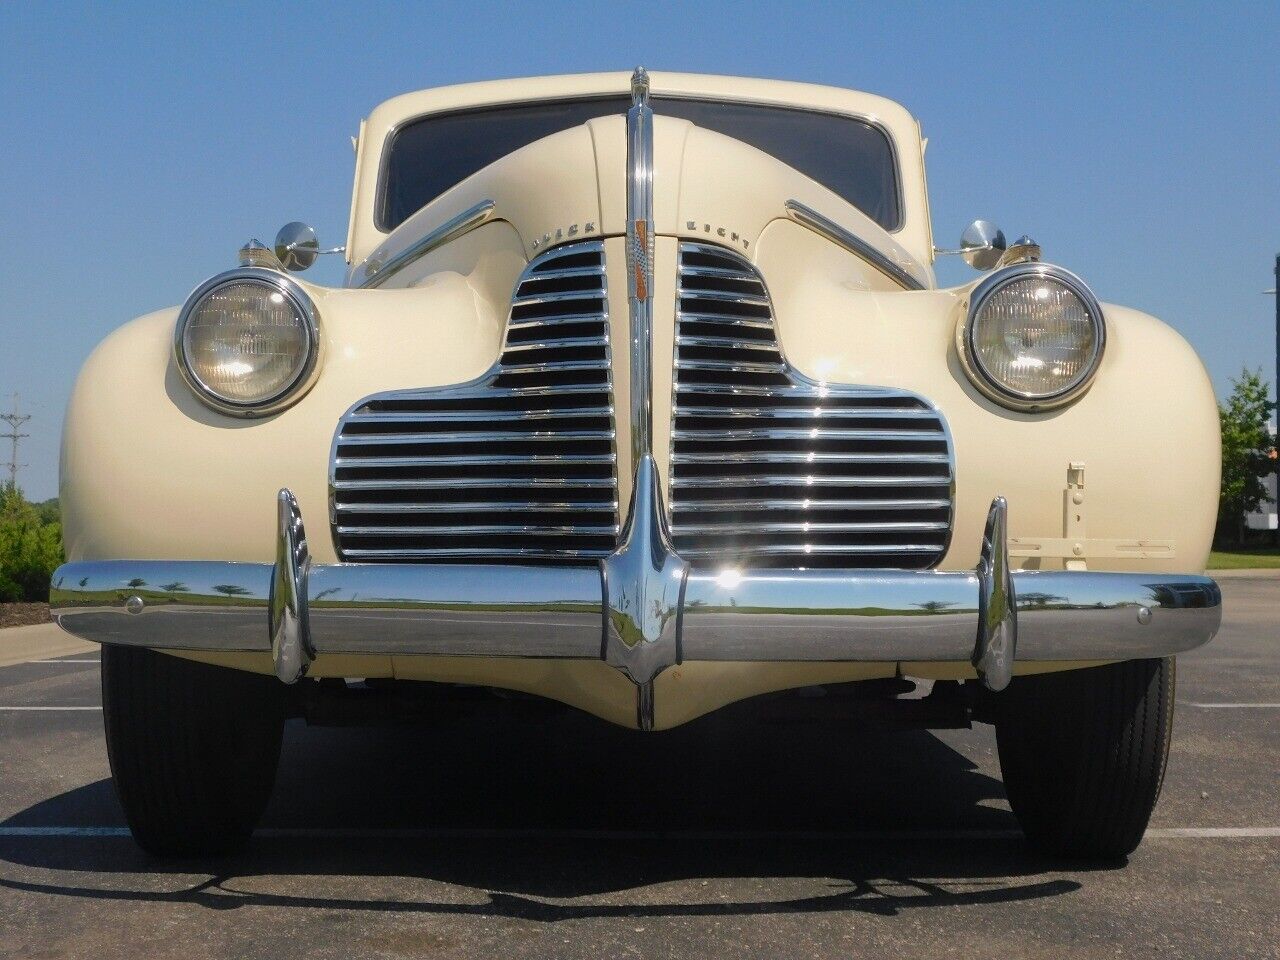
(1033, 337)
(247, 341)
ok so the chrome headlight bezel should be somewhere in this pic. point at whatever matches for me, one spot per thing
(298, 385)
(992, 388)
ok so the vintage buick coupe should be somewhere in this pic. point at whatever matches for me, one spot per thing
(640, 396)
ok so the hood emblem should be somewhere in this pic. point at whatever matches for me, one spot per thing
(695, 226)
(564, 233)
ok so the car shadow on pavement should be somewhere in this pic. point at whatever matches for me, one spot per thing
(575, 819)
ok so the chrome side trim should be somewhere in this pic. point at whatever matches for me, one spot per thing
(376, 273)
(826, 227)
(640, 246)
(288, 623)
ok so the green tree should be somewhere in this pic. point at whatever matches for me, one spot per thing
(1248, 452)
(30, 547)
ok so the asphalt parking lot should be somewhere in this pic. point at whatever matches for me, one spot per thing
(736, 836)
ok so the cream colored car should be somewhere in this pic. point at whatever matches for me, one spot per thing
(641, 396)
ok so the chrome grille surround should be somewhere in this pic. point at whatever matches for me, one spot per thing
(772, 469)
(517, 464)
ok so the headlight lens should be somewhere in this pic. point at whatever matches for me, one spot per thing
(1033, 337)
(247, 341)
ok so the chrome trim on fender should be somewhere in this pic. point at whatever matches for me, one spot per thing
(376, 273)
(826, 227)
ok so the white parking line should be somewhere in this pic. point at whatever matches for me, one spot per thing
(64, 661)
(480, 833)
(1234, 706)
(50, 708)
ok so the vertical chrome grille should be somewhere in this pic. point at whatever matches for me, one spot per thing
(770, 468)
(517, 464)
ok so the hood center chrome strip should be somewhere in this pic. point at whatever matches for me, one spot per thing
(640, 264)
(643, 579)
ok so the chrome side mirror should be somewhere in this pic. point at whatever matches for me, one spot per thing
(297, 246)
(982, 245)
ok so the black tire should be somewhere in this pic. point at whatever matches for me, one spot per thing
(193, 749)
(1083, 754)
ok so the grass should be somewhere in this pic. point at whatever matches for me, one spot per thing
(1249, 558)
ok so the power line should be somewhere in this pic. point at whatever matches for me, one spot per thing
(14, 420)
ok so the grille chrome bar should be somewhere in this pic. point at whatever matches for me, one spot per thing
(802, 526)
(808, 480)
(753, 440)
(452, 483)
(802, 433)
(482, 506)
(479, 528)
(712, 506)
(479, 436)
(445, 416)
(818, 412)
(776, 456)
(519, 464)
(845, 551)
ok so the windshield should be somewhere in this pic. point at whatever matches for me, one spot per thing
(848, 156)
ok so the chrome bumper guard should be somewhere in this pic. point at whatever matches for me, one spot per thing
(642, 610)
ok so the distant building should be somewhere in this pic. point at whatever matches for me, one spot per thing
(1265, 517)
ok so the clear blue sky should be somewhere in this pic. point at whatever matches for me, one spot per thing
(1139, 144)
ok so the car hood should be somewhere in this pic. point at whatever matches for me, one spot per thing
(572, 185)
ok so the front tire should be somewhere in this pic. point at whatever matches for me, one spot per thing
(193, 749)
(1083, 754)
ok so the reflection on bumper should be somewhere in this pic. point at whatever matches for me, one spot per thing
(298, 610)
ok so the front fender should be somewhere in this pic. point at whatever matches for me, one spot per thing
(1146, 429)
(149, 472)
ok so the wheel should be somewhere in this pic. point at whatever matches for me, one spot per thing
(193, 749)
(1083, 754)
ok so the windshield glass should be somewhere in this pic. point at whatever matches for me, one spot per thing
(848, 156)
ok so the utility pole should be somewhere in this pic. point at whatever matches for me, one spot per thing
(15, 420)
(1275, 437)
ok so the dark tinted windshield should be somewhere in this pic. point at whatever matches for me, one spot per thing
(849, 156)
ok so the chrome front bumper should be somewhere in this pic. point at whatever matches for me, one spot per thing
(642, 610)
